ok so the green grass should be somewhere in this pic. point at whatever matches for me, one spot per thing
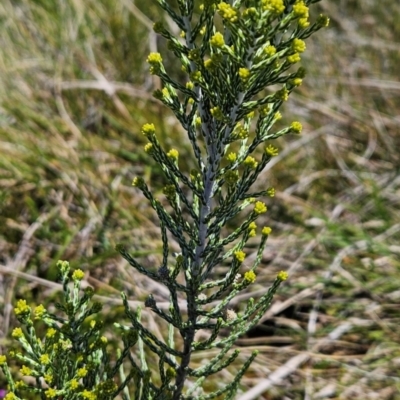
(70, 148)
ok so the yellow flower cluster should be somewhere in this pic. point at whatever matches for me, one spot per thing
(73, 384)
(217, 40)
(45, 359)
(252, 225)
(22, 308)
(297, 81)
(82, 372)
(271, 192)
(26, 371)
(148, 148)
(300, 10)
(282, 275)
(304, 23)
(51, 333)
(173, 154)
(154, 58)
(78, 275)
(244, 74)
(165, 93)
(260, 208)
(252, 229)
(17, 333)
(241, 132)
(195, 76)
(294, 58)
(298, 45)
(250, 162)
(266, 230)
(250, 12)
(39, 311)
(271, 150)
(296, 127)
(51, 393)
(227, 12)
(274, 6)
(240, 255)
(231, 157)
(217, 113)
(148, 129)
(249, 277)
(89, 395)
(250, 115)
(270, 50)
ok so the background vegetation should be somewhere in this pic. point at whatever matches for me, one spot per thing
(74, 92)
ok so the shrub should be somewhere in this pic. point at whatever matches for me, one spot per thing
(239, 63)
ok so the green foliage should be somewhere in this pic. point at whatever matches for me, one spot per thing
(227, 73)
(71, 360)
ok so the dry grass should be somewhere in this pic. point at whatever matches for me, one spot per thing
(74, 92)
